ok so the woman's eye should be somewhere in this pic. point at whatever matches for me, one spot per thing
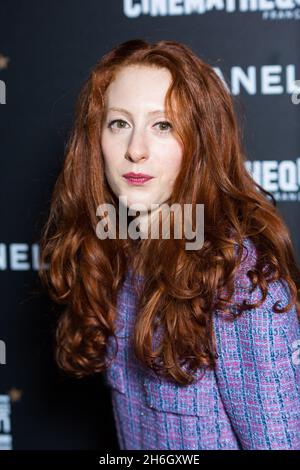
(110, 124)
(164, 123)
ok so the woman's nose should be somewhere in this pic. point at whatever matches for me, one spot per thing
(135, 157)
(137, 149)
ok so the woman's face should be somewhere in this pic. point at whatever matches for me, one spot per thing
(139, 138)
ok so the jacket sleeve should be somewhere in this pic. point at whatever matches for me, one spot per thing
(258, 371)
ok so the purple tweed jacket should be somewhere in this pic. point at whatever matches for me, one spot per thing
(250, 401)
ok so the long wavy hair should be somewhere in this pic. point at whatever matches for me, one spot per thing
(83, 274)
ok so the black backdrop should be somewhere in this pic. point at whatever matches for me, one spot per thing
(46, 51)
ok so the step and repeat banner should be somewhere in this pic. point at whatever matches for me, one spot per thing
(46, 51)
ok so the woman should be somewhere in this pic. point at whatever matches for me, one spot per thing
(198, 346)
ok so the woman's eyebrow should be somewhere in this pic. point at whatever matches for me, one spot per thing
(122, 110)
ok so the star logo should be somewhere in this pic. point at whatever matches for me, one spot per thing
(3, 62)
(15, 394)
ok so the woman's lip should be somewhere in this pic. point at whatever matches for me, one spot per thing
(136, 175)
(137, 180)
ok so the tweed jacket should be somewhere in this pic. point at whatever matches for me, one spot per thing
(250, 401)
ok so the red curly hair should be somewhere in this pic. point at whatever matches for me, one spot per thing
(83, 274)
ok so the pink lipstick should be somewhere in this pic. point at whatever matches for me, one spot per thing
(137, 178)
